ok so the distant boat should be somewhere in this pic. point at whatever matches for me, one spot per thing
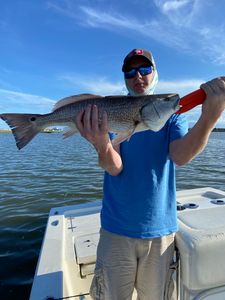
(5, 131)
(52, 130)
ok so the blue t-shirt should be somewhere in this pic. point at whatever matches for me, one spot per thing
(140, 202)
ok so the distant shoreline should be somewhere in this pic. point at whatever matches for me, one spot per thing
(218, 129)
(57, 131)
(44, 131)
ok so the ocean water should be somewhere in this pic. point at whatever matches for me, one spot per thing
(52, 172)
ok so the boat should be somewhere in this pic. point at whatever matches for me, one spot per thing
(68, 253)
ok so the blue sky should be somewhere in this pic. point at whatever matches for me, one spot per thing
(51, 49)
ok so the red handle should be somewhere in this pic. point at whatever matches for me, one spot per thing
(191, 100)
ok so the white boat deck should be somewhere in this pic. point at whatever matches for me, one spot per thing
(68, 254)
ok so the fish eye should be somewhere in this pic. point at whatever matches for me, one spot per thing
(33, 119)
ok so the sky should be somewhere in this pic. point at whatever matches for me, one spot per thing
(51, 49)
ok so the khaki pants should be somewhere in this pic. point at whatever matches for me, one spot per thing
(126, 263)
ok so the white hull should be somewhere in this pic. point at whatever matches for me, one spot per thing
(67, 259)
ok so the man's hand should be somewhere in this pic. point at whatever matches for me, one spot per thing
(214, 104)
(93, 126)
(185, 149)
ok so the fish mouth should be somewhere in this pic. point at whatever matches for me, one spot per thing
(177, 107)
(175, 99)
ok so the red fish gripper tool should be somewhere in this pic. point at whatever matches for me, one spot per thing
(191, 100)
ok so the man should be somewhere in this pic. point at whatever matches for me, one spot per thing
(138, 217)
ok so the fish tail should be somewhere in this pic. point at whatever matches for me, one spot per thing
(24, 127)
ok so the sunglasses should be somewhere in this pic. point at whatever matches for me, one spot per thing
(142, 70)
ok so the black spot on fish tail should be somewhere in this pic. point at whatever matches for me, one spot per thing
(136, 122)
(23, 127)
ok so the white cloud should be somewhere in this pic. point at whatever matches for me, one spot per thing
(168, 6)
(180, 13)
(13, 101)
(194, 26)
(100, 86)
(199, 25)
(17, 102)
(181, 87)
(103, 86)
(96, 18)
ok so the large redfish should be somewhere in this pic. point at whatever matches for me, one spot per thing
(126, 115)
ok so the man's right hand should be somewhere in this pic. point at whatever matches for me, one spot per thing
(93, 126)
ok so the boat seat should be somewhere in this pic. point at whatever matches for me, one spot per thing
(85, 248)
(86, 237)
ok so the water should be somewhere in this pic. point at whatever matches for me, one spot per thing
(53, 172)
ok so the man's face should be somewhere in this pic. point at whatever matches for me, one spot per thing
(139, 83)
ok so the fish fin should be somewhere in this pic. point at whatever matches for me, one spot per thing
(73, 99)
(122, 136)
(70, 132)
(23, 126)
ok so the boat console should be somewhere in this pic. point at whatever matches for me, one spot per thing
(67, 258)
